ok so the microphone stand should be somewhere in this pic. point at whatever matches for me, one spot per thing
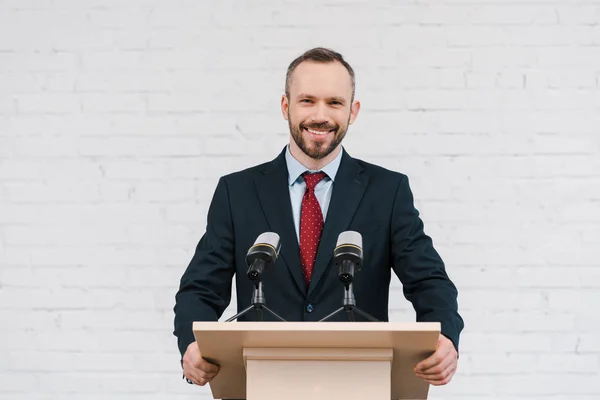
(349, 302)
(258, 303)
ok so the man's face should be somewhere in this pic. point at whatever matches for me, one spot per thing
(319, 108)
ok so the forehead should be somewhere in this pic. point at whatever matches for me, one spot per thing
(321, 79)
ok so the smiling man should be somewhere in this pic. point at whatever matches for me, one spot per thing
(309, 194)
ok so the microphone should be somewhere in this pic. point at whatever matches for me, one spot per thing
(262, 254)
(348, 255)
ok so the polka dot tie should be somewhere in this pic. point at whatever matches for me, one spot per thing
(311, 224)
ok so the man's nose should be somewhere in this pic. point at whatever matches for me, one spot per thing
(321, 113)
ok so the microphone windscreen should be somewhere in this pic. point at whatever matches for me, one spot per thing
(268, 238)
(349, 237)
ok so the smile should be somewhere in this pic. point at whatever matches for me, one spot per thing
(317, 132)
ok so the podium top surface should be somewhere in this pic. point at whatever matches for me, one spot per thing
(250, 326)
(223, 343)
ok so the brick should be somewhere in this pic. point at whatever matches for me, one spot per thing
(584, 211)
(103, 253)
(24, 169)
(112, 103)
(48, 103)
(38, 146)
(514, 57)
(554, 277)
(474, 277)
(528, 321)
(572, 362)
(102, 320)
(502, 299)
(534, 343)
(585, 14)
(546, 35)
(167, 16)
(133, 82)
(135, 146)
(132, 168)
(590, 233)
(34, 82)
(7, 105)
(558, 79)
(566, 58)
(38, 62)
(15, 382)
(21, 298)
(53, 191)
(565, 300)
(19, 169)
(114, 60)
(116, 192)
(83, 383)
(173, 191)
(493, 364)
(481, 79)
(588, 343)
(121, 17)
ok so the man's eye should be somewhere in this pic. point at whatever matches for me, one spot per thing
(305, 101)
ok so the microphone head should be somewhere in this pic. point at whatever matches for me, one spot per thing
(266, 247)
(348, 255)
(269, 239)
(352, 238)
(348, 248)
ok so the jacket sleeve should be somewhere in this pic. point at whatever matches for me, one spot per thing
(420, 268)
(205, 286)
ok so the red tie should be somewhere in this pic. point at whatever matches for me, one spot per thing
(311, 224)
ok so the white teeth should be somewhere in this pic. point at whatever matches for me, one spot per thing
(318, 132)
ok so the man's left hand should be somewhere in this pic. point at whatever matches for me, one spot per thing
(439, 368)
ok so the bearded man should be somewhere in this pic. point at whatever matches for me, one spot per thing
(310, 193)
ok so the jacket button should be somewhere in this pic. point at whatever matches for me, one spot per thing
(310, 308)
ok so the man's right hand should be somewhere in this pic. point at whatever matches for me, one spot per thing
(197, 369)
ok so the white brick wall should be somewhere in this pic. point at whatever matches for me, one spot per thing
(118, 117)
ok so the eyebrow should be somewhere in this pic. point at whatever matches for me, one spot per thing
(334, 98)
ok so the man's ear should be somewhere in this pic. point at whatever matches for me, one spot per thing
(285, 105)
(354, 109)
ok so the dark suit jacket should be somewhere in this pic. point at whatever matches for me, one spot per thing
(366, 198)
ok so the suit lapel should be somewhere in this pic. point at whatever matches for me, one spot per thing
(348, 190)
(273, 193)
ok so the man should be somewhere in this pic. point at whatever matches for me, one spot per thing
(309, 194)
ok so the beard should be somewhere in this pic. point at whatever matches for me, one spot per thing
(319, 149)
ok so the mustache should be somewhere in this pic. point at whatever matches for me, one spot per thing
(320, 125)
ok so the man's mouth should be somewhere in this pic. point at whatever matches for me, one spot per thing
(319, 132)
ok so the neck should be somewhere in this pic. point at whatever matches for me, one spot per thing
(309, 162)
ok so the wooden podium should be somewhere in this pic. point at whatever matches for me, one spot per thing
(317, 360)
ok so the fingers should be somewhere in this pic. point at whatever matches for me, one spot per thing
(444, 377)
(436, 372)
(207, 366)
(431, 362)
(197, 369)
(198, 375)
(439, 368)
(440, 374)
(445, 349)
(193, 376)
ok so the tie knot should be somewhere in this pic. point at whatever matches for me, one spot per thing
(312, 179)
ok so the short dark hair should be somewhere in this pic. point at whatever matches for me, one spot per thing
(320, 55)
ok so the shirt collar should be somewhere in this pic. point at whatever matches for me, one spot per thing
(296, 169)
